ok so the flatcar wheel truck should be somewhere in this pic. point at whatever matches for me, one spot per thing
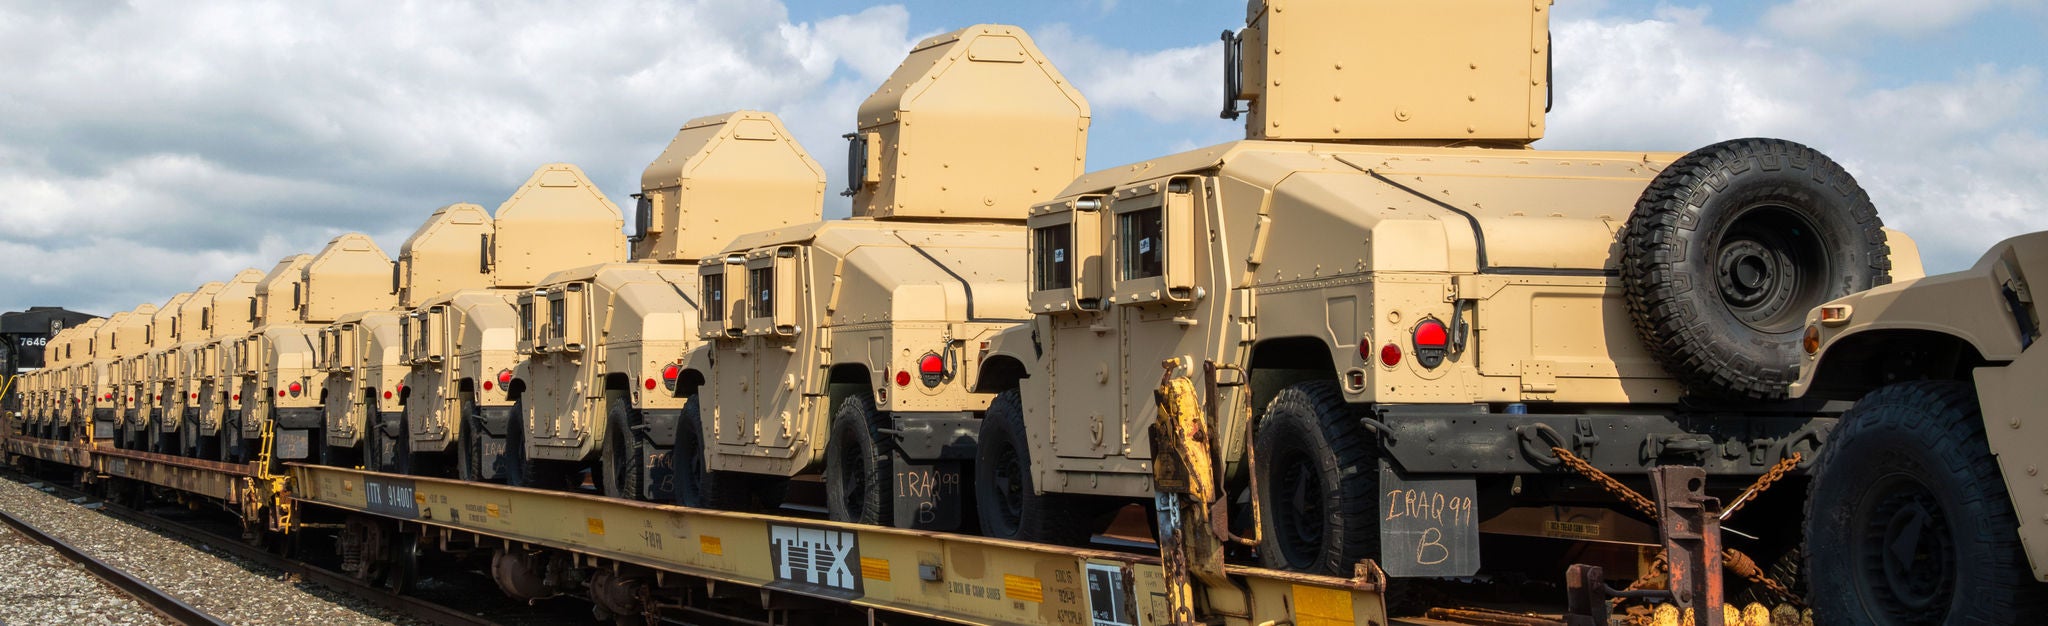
(1928, 504)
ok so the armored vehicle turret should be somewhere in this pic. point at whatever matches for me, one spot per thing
(849, 347)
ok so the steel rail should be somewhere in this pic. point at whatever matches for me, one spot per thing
(408, 606)
(149, 595)
(386, 599)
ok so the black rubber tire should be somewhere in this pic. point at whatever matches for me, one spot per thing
(1730, 247)
(706, 489)
(1006, 496)
(1917, 450)
(1319, 482)
(524, 471)
(860, 465)
(623, 464)
(469, 453)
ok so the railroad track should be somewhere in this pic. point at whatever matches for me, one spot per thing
(178, 611)
(165, 604)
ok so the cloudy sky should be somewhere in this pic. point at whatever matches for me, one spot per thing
(149, 146)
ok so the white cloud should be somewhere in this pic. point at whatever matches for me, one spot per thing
(1835, 18)
(1170, 85)
(1953, 162)
(149, 146)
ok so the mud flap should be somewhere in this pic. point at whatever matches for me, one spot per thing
(930, 495)
(293, 444)
(1429, 527)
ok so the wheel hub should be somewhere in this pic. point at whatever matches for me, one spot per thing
(1910, 556)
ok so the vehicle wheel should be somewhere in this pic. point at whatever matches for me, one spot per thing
(402, 461)
(707, 489)
(624, 465)
(860, 465)
(188, 438)
(1908, 518)
(469, 454)
(522, 470)
(1006, 499)
(1318, 480)
(1731, 246)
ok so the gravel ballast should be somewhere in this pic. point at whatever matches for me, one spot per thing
(39, 587)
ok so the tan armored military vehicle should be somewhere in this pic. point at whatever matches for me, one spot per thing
(461, 344)
(62, 406)
(601, 385)
(362, 352)
(130, 372)
(93, 380)
(158, 401)
(849, 346)
(244, 383)
(120, 374)
(295, 301)
(181, 400)
(1394, 297)
(226, 320)
(1927, 505)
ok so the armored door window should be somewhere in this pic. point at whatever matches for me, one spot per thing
(713, 305)
(431, 331)
(761, 291)
(1155, 241)
(1139, 235)
(565, 318)
(556, 311)
(1052, 249)
(528, 339)
(408, 349)
(772, 291)
(1066, 255)
(345, 348)
(713, 300)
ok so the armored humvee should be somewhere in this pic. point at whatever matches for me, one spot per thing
(227, 320)
(190, 329)
(93, 381)
(1927, 504)
(294, 302)
(460, 347)
(1393, 298)
(849, 346)
(61, 408)
(601, 383)
(363, 352)
(157, 402)
(114, 397)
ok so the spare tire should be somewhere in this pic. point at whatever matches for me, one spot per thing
(1730, 247)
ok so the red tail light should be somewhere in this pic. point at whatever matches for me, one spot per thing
(931, 369)
(1432, 342)
(670, 375)
(902, 378)
(296, 388)
(649, 384)
(504, 377)
(387, 394)
(1390, 355)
